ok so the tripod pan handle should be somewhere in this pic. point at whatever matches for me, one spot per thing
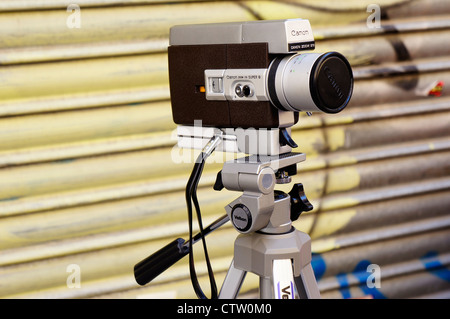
(152, 266)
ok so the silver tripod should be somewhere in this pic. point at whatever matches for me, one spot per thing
(268, 246)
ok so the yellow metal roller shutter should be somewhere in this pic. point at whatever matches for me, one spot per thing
(89, 187)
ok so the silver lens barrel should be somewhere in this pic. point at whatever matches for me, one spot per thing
(310, 82)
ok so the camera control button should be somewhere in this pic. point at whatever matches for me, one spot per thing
(216, 85)
(247, 91)
(238, 90)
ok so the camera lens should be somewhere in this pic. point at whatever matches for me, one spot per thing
(310, 82)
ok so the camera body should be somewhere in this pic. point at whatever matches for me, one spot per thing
(251, 75)
(190, 102)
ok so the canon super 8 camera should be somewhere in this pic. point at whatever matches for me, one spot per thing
(251, 75)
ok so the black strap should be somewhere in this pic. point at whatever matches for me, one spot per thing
(191, 197)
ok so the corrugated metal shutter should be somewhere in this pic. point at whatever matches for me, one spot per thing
(87, 182)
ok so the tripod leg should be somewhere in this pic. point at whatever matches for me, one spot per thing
(306, 284)
(232, 283)
(265, 288)
(283, 279)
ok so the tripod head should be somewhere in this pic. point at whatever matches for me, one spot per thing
(261, 207)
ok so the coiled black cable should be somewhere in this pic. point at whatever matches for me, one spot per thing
(191, 198)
